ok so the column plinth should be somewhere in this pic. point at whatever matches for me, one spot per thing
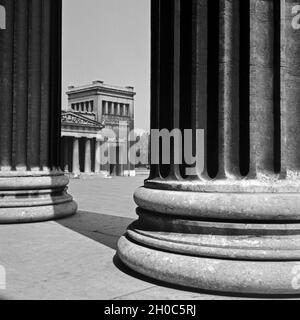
(32, 185)
(235, 225)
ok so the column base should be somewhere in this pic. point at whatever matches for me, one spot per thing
(37, 214)
(34, 197)
(216, 275)
(240, 243)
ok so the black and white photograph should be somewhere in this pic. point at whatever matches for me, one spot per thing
(149, 152)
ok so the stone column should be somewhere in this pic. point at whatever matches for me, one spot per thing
(112, 108)
(106, 107)
(76, 165)
(98, 156)
(32, 185)
(87, 160)
(65, 141)
(131, 126)
(232, 69)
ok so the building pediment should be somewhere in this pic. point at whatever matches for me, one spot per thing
(74, 119)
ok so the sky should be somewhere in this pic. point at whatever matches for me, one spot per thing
(109, 40)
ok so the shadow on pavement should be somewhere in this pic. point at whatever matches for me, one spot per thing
(107, 230)
(102, 228)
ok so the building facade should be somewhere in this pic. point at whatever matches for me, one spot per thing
(95, 130)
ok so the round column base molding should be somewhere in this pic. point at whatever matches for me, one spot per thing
(265, 184)
(34, 198)
(267, 206)
(272, 278)
(38, 213)
(28, 180)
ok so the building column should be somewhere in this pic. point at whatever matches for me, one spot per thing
(106, 107)
(87, 159)
(65, 142)
(76, 165)
(32, 185)
(98, 156)
(131, 125)
(234, 225)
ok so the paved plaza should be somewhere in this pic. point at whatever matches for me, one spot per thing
(75, 258)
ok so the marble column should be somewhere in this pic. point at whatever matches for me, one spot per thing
(76, 164)
(98, 156)
(87, 160)
(231, 68)
(32, 185)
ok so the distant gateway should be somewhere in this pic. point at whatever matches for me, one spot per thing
(92, 109)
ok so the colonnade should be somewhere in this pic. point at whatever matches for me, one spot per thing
(87, 106)
(120, 109)
(87, 161)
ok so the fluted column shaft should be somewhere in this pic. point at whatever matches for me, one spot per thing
(232, 69)
(31, 184)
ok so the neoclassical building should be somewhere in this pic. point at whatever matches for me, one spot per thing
(231, 68)
(91, 126)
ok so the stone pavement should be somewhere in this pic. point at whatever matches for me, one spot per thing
(75, 258)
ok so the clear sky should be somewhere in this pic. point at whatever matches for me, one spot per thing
(109, 40)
